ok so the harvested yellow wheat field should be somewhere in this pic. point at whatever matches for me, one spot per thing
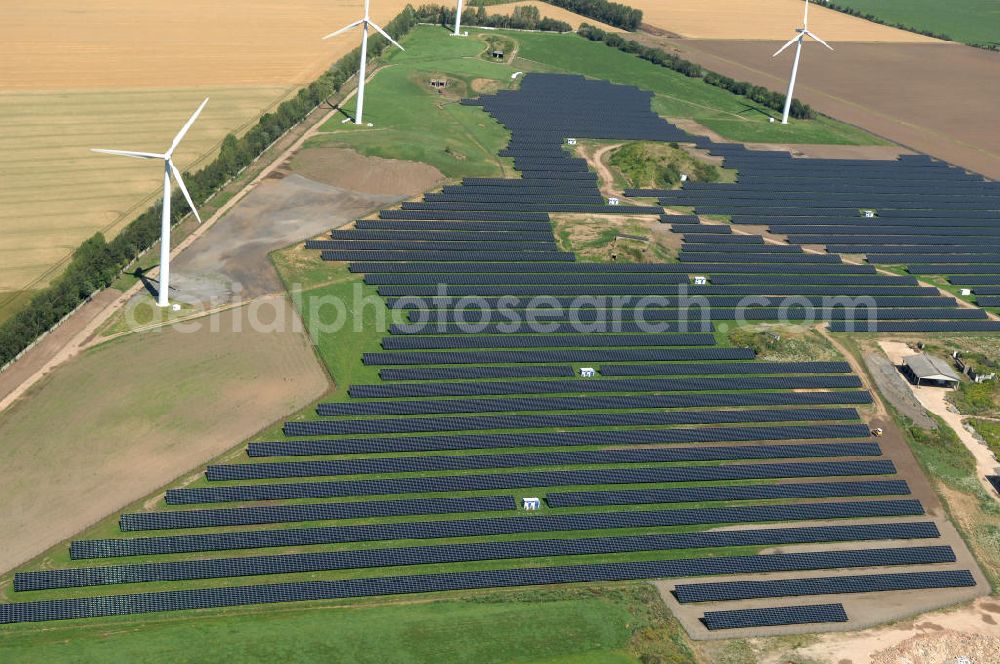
(122, 74)
(763, 19)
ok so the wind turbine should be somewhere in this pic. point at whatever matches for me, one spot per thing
(168, 170)
(458, 21)
(803, 32)
(364, 23)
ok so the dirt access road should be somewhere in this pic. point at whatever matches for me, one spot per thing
(933, 399)
(907, 93)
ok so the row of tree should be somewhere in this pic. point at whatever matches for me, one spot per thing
(761, 95)
(612, 13)
(96, 263)
(525, 17)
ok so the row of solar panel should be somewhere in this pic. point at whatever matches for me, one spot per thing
(747, 257)
(693, 320)
(421, 225)
(781, 491)
(917, 242)
(564, 439)
(556, 308)
(729, 368)
(478, 235)
(733, 384)
(408, 464)
(463, 215)
(631, 402)
(858, 222)
(517, 201)
(543, 272)
(420, 278)
(466, 553)
(602, 268)
(315, 590)
(917, 326)
(847, 280)
(525, 480)
(576, 420)
(413, 342)
(437, 208)
(838, 211)
(831, 585)
(245, 516)
(470, 373)
(879, 231)
(773, 616)
(486, 256)
(431, 244)
(947, 268)
(522, 524)
(874, 199)
(549, 356)
(488, 291)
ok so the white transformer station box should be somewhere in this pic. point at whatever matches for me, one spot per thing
(531, 504)
(700, 281)
(587, 372)
(571, 141)
(965, 291)
(869, 214)
(613, 200)
(684, 177)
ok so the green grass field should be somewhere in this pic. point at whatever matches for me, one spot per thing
(413, 122)
(969, 21)
(598, 626)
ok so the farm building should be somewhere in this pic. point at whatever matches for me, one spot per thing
(924, 369)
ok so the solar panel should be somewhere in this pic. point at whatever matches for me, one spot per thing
(831, 585)
(480, 527)
(494, 481)
(568, 438)
(806, 614)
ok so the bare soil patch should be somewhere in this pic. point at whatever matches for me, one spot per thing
(346, 169)
(230, 261)
(907, 93)
(139, 411)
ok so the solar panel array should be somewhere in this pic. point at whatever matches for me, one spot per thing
(806, 614)
(932, 218)
(472, 412)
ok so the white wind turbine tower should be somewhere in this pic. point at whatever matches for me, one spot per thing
(803, 32)
(364, 23)
(168, 170)
(458, 21)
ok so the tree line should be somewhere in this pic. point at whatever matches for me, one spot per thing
(612, 13)
(96, 263)
(522, 18)
(759, 94)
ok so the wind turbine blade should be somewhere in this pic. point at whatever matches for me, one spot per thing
(180, 183)
(345, 28)
(184, 129)
(384, 34)
(805, 17)
(367, 2)
(787, 44)
(131, 153)
(819, 40)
